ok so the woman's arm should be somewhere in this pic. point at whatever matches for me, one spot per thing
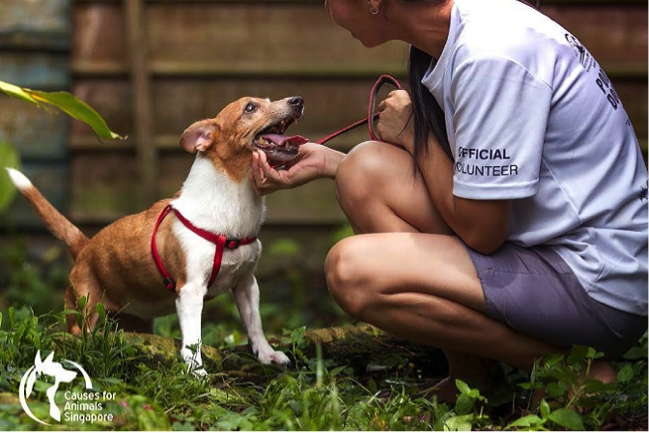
(481, 224)
(314, 161)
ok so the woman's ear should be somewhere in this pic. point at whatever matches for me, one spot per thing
(200, 136)
(374, 6)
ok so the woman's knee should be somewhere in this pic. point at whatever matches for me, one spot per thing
(347, 279)
(359, 174)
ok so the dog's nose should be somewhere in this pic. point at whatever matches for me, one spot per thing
(296, 102)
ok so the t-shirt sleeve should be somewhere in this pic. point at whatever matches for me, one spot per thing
(500, 121)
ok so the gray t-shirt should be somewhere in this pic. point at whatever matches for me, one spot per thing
(531, 116)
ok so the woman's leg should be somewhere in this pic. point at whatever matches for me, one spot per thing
(424, 288)
(412, 278)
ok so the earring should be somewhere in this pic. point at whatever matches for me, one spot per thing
(374, 11)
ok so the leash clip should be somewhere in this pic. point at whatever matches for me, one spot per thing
(232, 244)
(169, 284)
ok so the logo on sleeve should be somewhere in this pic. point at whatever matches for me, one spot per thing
(485, 162)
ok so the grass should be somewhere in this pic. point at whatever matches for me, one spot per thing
(313, 394)
(317, 392)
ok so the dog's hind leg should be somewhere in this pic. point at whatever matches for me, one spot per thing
(189, 306)
(82, 287)
(247, 295)
(71, 304)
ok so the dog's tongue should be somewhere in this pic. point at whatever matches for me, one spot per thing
(280, 139)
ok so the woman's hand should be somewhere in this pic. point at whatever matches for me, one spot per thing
(395, 120)
(313, 161)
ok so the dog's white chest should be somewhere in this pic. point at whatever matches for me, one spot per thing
(235, 264)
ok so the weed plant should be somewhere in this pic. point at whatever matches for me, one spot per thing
(314, 394)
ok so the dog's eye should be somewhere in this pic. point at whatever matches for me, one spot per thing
(250, 108)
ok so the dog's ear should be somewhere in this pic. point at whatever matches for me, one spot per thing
(200, 136)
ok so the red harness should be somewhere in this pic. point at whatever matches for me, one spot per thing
(220, 241)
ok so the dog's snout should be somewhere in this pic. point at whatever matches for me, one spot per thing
(296, 102)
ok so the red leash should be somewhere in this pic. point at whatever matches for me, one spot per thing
(371, 115)
(371, 111)
(220, 241)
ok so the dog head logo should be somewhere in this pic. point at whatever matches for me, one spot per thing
(53, 370)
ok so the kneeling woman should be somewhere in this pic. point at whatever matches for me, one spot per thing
(514, 223)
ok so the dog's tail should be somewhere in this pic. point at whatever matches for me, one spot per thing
(59, 225)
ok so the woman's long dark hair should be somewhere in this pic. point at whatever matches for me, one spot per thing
(428, 116)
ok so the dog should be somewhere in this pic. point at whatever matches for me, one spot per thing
(194, 246)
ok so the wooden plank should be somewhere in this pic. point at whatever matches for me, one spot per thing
(51, 180)
(182, 70)
(102, 190)
(42, 71)
(329, 104)
(141, 98)
(616, 36)
(192, 33)
(102, 186)
(213, 39)
(36, 133)
(100, 37)
(35, 25)
(199, 70)
(111, 99)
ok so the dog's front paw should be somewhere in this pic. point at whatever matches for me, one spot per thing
(201, 372)
(194, 362)
(273, 357)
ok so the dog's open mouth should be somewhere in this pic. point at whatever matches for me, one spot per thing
(279, 148)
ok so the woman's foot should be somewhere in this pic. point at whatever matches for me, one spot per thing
(474, 371)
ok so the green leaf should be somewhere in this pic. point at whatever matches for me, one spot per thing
(577, 355)
(101, 311)
(567, 418)
(79, 110)
(556, 390)
(526, 421)
(553, 359)
(625, 374)
(371, 385)
(464, 404)
(8, 158)
(545, 409)
(462, 386)
(636, 353)
(19, 93)
(459, 423)
(65, 102)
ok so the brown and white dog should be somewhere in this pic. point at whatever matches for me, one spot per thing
(121, 265)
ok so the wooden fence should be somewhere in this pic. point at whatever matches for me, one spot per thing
(153, 67)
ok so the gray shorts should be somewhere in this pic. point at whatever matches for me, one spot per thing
(536, 293)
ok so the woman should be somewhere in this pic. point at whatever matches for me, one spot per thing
(514, 224)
